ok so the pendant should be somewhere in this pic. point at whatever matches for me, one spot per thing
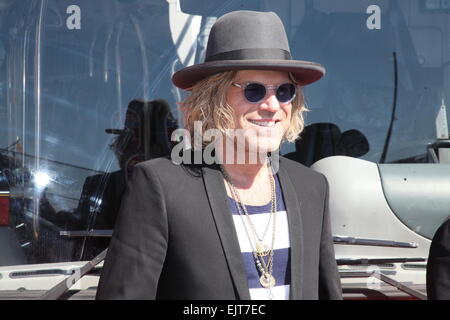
(261, 249)
(267, 280)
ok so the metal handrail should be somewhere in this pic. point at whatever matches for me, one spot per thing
(382, 277)
(86, 233)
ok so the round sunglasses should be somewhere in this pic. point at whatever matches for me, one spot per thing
(255, 92)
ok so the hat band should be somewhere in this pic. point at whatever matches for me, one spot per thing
(251, 54)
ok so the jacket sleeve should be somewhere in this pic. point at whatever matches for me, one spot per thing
(438, 266)
(329, 280)
(138, 247)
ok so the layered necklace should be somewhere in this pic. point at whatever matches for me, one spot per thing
(262, 253)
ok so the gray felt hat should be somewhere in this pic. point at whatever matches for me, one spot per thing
(248, 40)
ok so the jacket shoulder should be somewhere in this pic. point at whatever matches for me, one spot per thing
(160, 166)
(167, 171)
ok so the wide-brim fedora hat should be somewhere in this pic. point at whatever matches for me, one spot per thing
(248, 40)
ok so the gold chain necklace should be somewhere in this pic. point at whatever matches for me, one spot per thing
(259, 250)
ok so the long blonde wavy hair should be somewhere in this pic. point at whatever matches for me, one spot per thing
(207, 103)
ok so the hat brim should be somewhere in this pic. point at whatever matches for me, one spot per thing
(304, 72)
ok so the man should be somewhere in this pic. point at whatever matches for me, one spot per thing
(243, 227)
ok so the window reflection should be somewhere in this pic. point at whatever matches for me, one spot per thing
(145, 135)
(59, 170)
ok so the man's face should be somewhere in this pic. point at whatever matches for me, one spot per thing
(266, 120)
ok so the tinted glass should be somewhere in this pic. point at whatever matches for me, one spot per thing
(70, 71)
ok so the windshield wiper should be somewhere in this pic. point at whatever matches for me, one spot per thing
(373, 242)
(394, 107)
(375, 261)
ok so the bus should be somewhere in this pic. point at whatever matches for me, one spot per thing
(86, 93)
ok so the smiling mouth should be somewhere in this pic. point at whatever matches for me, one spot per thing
(263, 123)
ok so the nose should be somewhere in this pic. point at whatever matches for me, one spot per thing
(270, 103)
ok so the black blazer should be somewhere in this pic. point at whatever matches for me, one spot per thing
(175, 237)
(438, 265)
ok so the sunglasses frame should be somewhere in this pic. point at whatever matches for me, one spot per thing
(244, 86)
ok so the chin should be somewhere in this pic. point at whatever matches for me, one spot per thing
(262, 145)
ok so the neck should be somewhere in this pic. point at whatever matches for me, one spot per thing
(244, 173)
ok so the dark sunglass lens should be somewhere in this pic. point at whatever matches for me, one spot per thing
(285, 92)
(255, 92)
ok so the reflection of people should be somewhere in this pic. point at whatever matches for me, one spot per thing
(438, 265)
(230, 230)
(101, 196)
(321, 140)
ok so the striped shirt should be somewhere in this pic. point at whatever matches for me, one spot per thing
(260, 216)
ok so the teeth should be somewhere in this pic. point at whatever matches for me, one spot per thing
(263, 123)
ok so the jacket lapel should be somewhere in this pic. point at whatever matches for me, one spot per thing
(215, 190)
(216, 193)
(292, 205)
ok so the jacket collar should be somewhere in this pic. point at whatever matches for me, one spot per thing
(294, 214)
(216, 193)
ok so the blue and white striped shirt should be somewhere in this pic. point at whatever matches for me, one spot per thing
(260, 216)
